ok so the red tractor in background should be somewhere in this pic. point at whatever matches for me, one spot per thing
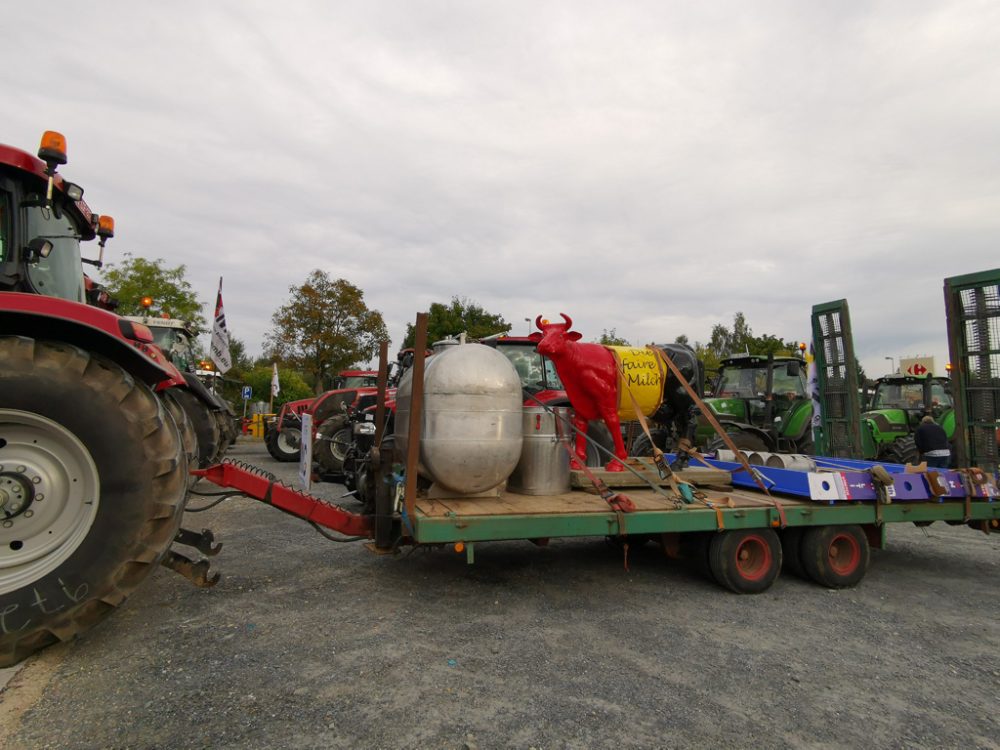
(94, 444)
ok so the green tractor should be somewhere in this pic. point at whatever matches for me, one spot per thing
(898, 404)
(762, 403)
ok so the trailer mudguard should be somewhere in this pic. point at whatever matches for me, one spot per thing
(90, 328)
(198, 389)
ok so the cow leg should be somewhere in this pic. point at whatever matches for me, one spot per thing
(614, 427)
(581, 443)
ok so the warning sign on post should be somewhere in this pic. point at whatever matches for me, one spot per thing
(306, 453)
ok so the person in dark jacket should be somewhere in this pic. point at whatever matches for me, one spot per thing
(932, 442)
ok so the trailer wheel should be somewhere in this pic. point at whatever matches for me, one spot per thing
(695, 546)
(835, 556)
(91, 490)
(335, 438)
(745, 561)
(205, 425)
(791, 551)
(189, 438)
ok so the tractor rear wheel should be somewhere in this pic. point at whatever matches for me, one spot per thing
(900, 451)
(189, 438)
(92, 488)
(642, 447)
(205, 425)
(335, 438)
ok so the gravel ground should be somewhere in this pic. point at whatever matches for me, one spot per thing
(311, 644)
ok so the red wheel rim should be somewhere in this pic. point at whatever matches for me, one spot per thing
(844, 554)
(753, 558)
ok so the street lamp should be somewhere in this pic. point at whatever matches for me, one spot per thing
(892, 362)
(528, 321)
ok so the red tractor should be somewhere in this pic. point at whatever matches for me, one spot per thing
(94, 445)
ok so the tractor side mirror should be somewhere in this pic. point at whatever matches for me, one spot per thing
(37, 249)
(792, 369)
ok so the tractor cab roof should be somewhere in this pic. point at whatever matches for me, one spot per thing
(153, 321)
(21, 161)
(754, 360)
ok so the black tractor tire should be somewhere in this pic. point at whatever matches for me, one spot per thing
(225, 434)
(744, 441)
(189, 438)
(385, 523)
(205, 425)
(278, 446)
(76, 421)
(745, 561)
(835, 556)
(642, 447)
(334, 439)
(598, 432)
(900, 451)
(791, 551)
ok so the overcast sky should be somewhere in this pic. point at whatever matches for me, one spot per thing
(651, 167)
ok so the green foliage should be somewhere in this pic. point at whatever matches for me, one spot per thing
(739, 339)
(461, 315)
(134, 278)
(293, 385)
(325, 327)
(611, 338)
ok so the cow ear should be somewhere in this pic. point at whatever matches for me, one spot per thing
(536, 337)
(574, 335)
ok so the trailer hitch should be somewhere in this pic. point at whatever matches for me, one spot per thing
(203, 542)
(195, 571)
(260, 485)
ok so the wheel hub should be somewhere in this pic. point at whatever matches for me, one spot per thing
(16, 494)
(49, 495)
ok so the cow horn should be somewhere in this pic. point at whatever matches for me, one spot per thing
(569, 321)
(538, 322)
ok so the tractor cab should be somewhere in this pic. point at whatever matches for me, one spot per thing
(765, 398)
(174, 337)
(537, 373)
(899, 402)
(43, 220)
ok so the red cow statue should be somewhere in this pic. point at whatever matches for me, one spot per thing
(590, 375)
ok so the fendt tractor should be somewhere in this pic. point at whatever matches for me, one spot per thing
(898, 404)
(212, 418)
(95, 441)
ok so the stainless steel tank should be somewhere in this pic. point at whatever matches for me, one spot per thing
(471, 432)
(544, 465)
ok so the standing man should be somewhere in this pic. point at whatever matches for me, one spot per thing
(932, 442)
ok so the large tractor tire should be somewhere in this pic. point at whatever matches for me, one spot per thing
(91, 491)
(205, 425)
(334, 439)
(900, 451)
(642, 447)
(189, 438)
(225, 436)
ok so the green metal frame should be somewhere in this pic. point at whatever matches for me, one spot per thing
(837, 370)
(449, 529)
(972, 304)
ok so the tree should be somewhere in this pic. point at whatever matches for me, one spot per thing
(135, 278)
(293, 385)
(611, 338)
(323, 328)
(725, 342)
(461, 315)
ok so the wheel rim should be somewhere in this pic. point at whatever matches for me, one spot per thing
(844, 554)
(49, 495)
(753, 558)
(289, 439)
(339, 443)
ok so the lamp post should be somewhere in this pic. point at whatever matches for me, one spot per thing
(528, 321)
(892, 362)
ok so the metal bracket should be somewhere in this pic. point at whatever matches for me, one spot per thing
(195, 571)
(203, 542)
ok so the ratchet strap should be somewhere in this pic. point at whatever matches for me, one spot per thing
(619, 503)
(707, 413)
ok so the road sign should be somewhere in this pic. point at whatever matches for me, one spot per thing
(247, 392)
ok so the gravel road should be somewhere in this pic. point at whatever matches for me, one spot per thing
(310, 644)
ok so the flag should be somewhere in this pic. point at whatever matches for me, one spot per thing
(275, 385)
(220, 336)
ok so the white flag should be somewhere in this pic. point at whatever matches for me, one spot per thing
(275, 385)
(220, 336)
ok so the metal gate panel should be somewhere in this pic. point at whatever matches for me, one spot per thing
(972, 303)
(837, 374)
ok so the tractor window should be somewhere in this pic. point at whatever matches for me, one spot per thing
(60, 274)
(359, 381)
(742, 382)
(899, 396)
(939, 396)
(537, 373)
(4, 226)
(791, 386)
